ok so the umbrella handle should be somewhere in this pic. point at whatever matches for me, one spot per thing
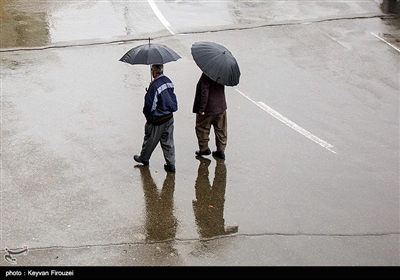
(151, 74)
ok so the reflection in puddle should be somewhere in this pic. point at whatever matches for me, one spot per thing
(210, 199)
(160, 222)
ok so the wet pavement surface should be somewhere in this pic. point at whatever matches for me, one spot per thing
(311, 176)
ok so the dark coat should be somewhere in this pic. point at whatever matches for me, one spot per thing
(210, 97)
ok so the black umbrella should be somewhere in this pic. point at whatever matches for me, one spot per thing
(217, 62)
(149, 54)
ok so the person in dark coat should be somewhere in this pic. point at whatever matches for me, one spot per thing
(210, 109)
(160, 103)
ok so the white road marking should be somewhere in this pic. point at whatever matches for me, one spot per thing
(334, 39)
(393, 46)
(161, 17)
(291, 124)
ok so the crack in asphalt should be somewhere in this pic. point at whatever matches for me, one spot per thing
(254, 26)
(183, 240)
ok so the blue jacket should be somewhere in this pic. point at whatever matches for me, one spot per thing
(160, 99)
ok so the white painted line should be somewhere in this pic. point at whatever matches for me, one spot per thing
(393, 46)
(334, 39)
(161, 17)
(291, 124)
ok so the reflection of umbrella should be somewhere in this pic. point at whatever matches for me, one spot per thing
(217, 62)
(149, 54)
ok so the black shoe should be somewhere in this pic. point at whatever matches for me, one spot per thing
(139, 160)
(219, 154)
(204, 153)
(169, 168)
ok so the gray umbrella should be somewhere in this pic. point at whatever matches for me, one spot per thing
(149, 54)
(217, 62)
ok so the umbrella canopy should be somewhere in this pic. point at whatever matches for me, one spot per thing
(217, 62)
(150, 54)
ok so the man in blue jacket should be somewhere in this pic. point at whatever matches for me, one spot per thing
(159, 105)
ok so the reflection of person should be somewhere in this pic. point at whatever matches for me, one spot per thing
(159, 105)
(210, 109)
(209, 204)
(160, 223)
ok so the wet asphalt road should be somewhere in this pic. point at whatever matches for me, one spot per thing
(311, 176)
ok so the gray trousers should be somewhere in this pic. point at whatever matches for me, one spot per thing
(163, 134)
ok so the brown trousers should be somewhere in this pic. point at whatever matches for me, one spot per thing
(203, 127)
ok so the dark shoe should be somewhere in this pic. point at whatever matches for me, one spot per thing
(219, 154)
(204, 153)
(139, 160)
(169, 168)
